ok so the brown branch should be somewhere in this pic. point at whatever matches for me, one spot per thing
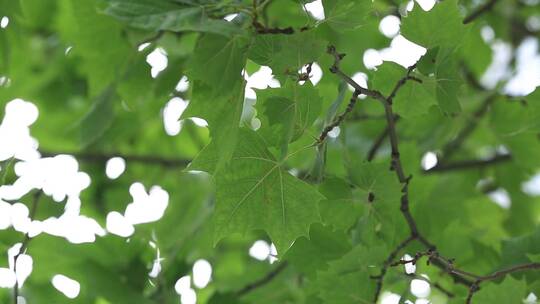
(379, 278)
(434, 256)
(335, 70)
(305, 76)
(469, 164)
(98, 157)
(261, 29)
(402, 82)
(340, 118)
(263, 281)
(496, 275)
(24, 244)
(395, 166)
(479, 11)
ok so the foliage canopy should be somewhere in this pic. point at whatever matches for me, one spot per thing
(295, 166)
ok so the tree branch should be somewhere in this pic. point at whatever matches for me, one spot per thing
(104, 157)
(387, 263)
(340, 118)
(395, 166)
(377, 144)
(433, 256)
(469, 164)
(479, 11)
(379, 141)
(434, 284)
(263, 281)
(24, 244)
(335, 70)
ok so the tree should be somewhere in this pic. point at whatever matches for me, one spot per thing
(269, 151)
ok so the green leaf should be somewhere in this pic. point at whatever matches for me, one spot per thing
(161, 15)
(380, 191)
(414, 98)
(287, 112)
(509, 291)
(223, 115)
(448, 82)
(343, 15)
(323, 245)
(385, 78)
(428, 63)
(518, 250)
(99, 118)
(97, 40)
(476, 53)
(378, 179)
(441, 26)
(348, 279)
(286, 54)
(255, 192)
(510, 117)
(218, 62)
(340, 209)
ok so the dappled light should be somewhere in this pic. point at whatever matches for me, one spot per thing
(69, 287)
(157, 59)
(115, 167)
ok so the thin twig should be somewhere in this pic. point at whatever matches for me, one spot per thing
(433, 256)
(469, 164)
(377, 144)
(335, 69)
(392, 256)
(340, 118)
(479, 11)
(395, 166)
(98, 157)
(24, 244)
(263, 281)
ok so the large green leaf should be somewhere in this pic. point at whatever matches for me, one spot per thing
(343, 15)
(162, 15)
(222, 114)
(218, 62)
(348, 279)
(509, 291)
(323, 245)
(448, 82)
(256, 192)
(287, 112)
(96, 39)
(414, 98)
(442, 26)
(286, 54)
